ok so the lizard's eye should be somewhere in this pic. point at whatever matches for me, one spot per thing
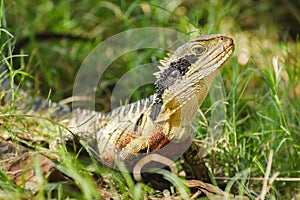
(198, 50)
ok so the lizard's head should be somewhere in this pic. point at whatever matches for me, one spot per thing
(190, 70)
(194, 60)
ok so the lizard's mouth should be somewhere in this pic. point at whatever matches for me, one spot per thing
(229, 48)
(224, 54)
(227, 51)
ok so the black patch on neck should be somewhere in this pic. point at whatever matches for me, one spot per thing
(175, 71)
(138, 123)
(184, 63)
(167, 78)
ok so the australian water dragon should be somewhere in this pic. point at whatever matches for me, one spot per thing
(151, 124)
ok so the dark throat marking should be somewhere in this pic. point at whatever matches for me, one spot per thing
(167, 78)
(138, 123)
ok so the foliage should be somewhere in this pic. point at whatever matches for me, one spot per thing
(261, 82)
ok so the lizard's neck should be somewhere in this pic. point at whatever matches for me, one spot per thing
(176, 107)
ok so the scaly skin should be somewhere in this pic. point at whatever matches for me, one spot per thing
(148, 125)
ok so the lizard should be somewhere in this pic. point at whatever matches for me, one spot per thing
(151, 124)
(182, 84)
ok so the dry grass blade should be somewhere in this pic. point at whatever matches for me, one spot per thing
(265, 181)
(211, 191)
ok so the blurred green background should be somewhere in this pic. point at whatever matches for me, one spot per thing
(262, 79)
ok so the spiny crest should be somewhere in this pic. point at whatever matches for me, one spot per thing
(164, 61)
(163, 65)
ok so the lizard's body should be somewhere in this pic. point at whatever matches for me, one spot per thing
(149, 124)
(152, 123)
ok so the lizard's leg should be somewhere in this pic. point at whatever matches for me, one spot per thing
(196, 163)
(144, 145)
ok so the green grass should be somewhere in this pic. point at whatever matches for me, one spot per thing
(261, 80)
